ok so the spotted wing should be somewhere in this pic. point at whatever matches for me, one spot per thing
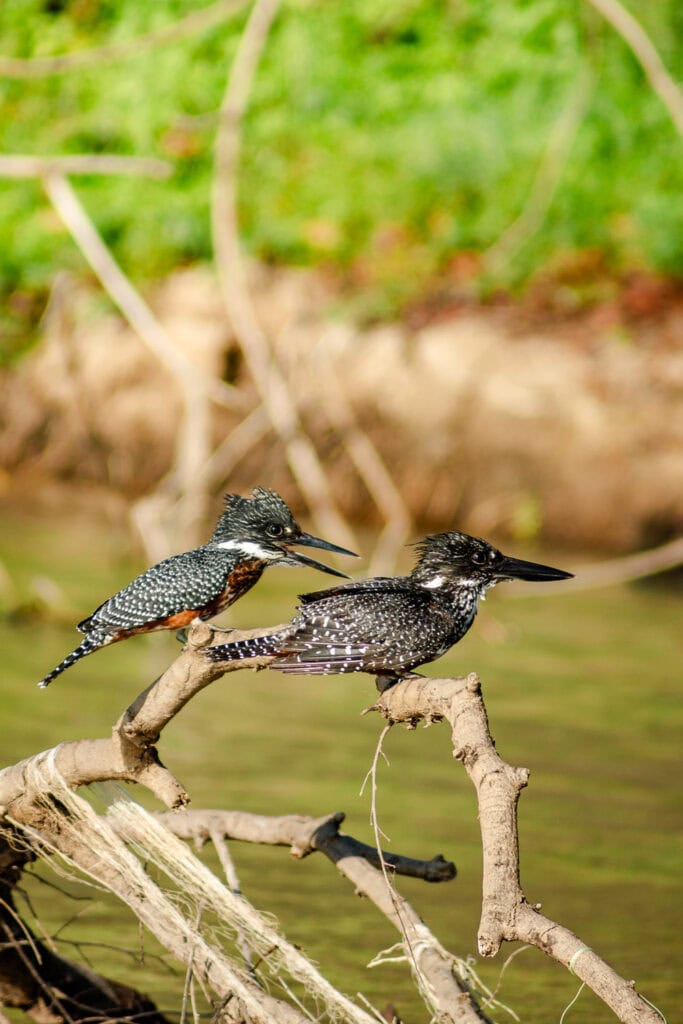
(195, 581)
(375, 626)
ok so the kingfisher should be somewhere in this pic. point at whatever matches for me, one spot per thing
(251, 534)
(388, 626)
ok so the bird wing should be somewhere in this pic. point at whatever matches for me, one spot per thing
(356, 628)
(180, 583)
(377, 584)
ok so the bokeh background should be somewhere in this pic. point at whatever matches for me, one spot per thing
(439, 251)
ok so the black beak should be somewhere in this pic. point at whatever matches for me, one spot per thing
(295, 558)
(516, 569)
(306, 541)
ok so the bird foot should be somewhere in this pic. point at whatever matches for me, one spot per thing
(386, 682)
(182, 634)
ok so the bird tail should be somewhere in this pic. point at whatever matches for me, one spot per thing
(91, 643)
(238, 650)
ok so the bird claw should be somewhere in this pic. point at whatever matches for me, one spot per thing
(383, 682)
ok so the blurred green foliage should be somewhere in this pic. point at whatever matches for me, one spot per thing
(391, 142)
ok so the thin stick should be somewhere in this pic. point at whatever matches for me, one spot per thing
(198, 21)
(232, 878)
(119, 288)
(268, 378)
(421, 981)
(193, 437)
(548, 175)
(18, 166)
(645, 52)
(618, 570)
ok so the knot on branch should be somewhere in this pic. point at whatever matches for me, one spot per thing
(319, 837)
(473, 683)
(467, 754)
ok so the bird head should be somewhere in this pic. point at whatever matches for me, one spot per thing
(264, 528)
(456, 559)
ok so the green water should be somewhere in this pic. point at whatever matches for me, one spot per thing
(581, 688)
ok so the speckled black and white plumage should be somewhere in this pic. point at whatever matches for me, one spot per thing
(390, 626)
(251, 534)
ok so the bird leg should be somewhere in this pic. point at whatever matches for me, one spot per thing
(385, 682)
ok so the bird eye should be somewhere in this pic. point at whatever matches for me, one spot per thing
(478, 557)
(275, 529)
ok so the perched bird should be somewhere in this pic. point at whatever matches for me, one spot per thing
(251, 534)
(388, 626)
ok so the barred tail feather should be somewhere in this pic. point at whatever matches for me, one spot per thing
(240, 649)
(92, 643)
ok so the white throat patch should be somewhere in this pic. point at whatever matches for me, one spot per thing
(248, 548)
(434, 583)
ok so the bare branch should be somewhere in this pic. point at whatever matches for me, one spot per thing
(447, 996)
(619, 570)
(371, 468)
(18, 166)
(129, 755)
(198, 21)
(303, 835)
(267, 376)
(119, 287)
(548, 175)
(506, 915)
(193, 439)
(643, 49)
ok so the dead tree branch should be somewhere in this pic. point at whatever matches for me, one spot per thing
(38, 801)
(645, 52)
(548, 175)
(194, 433)
(506, 915)
(40, 805)
(303, 835)
(620, 570)
(198, 21)
(266, 375)
(19, 166)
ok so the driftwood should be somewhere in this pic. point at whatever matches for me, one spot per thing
(43, 816)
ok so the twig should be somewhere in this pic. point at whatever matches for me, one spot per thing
(235, 446)
(189, 972)
(268, 378)
(302, 834)
(232, 878)
(618, 570)
(193, 439)
(643, 49)
(330, 399)
(18, 166)
(198, 21)
(371, 468)
(548, 175)
(52, 998)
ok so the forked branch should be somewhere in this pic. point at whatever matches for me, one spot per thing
(506, 915)
(38, 799)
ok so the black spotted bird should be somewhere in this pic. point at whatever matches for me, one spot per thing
(251, 534)
(388, 626)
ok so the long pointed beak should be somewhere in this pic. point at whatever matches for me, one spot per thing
(295, 558)
(517, 569)
(306, 541)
